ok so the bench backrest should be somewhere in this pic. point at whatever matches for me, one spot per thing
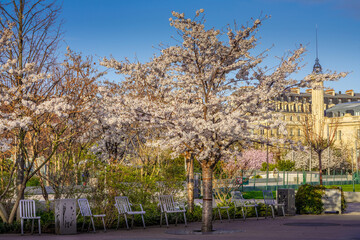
(167, 203)
(122, 204)
(84, 207)
(27, 209)
(237, 198)
(268, 197)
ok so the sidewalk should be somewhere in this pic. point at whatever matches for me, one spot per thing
(339, 227)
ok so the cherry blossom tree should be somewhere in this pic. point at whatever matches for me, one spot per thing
(336, 160)
(251, 159)
(207, 93)
(35, 36)
(28, 107)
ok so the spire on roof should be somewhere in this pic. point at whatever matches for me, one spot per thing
(317, 67)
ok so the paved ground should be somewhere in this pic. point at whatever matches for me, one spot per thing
(339, 227)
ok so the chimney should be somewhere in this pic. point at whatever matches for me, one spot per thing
(295, 90)
(350, 92)
(330, 92)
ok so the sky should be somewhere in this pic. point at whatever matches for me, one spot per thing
(134, 29)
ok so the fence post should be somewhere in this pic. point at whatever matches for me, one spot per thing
(254, 179)
(287, 179)
(284, 179)
(297, 177)
(341, 177)
(304, 176)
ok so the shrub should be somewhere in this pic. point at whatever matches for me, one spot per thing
(264, 166)
(33, 182)
(285, 165)
(308, 199)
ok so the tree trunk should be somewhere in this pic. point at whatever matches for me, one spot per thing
(17, 201)
(190, 182)
(20, 170)
(207, 198)
(320, 169)
(43, 189)
(3, 214)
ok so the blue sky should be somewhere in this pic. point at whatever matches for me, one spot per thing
(124, 28)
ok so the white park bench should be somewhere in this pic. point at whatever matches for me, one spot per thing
(271, 202)
(123, 206)
(239, 201)
(86, 212)
(167, 205)
(28, 211)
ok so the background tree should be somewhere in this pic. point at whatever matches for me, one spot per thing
(317, 137)
(35, 38)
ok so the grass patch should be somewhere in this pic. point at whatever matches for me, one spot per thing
(255, 195)
(346, 188)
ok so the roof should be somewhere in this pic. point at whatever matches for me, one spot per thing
(345, 106)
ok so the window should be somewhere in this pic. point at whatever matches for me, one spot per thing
(291, 132)
(291, 118)
(339, 133)
(298, 118)
(299, 132)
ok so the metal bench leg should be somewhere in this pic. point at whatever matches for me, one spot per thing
(257, 216)
(161, 216)
(220, 215)
(234, 212)
(103, 224)
(93, 225)
(185, 219)
(283, 210)
(32, 227)
(166, 219)
(243, 213)
(227, 210)
(273, 212)
(39, 227)
(22, 226)
(126, 221)
(118, 222)
(266, 210)
(82, 229)
(142, 217)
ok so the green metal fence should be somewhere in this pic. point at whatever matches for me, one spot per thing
(260, 180)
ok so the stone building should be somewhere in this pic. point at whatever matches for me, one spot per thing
(325, 106)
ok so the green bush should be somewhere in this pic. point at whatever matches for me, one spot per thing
(308, 199)
(256, 176)
(264, 166)
(285, 165)
(33, 182)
